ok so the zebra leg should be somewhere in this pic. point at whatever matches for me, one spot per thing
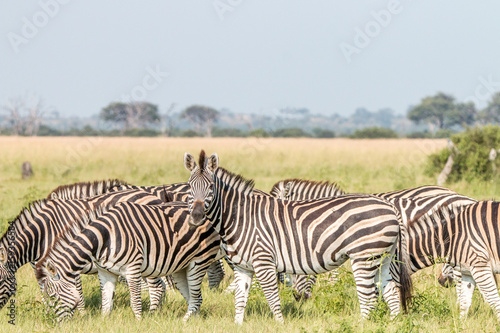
(169, 283)
(232, 287)
(485, 280)
(465, 293)
(156, 292)
(194, 276)
(364, 271)
(390, 291)
(181, 283)
(215, 274)
(266, 275)
(242, 282)
(134, 282)
(81, 302)
(108, 284)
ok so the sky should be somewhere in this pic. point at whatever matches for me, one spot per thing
(248, 56)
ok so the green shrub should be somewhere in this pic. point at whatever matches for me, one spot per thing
(292, 132)
(229, 132)
(374, 133)
(471, 162)
(323, 133)
(259, 133)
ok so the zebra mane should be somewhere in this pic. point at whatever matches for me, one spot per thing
(26, 215)
(237, 182)
(201, 160)
(326, 187)
(83, 190)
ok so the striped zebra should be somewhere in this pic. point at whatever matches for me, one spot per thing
(84, 190)
(168, 193)
(422, 200)
(468, 238)
(262, 234)
(135, 241)
(34, 230)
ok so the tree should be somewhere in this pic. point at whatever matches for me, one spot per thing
(491, 114)
(374, 133)
(130, 115)
(24, 114)
(202, 117)
(442, 111)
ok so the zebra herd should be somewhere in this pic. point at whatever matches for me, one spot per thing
(301, 228)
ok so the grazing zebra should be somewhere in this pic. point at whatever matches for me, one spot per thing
(134, 241)
(262, 234)
(168, 193)
(422, 200)
(468, 238)
(34, 230)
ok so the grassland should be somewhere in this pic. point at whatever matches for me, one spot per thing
(357, 165)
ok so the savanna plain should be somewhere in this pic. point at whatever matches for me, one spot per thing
(356, 165)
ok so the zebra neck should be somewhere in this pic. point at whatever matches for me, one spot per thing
(20, 250)
(429, 242)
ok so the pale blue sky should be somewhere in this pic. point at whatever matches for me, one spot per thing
(258, 56)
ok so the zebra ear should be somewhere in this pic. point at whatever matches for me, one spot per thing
(189, 161)
(212, 163)
(287, 190)
(51, 269)
(3, 255)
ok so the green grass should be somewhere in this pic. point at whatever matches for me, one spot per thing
(357, 165)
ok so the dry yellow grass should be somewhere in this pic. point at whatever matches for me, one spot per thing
(357, 165)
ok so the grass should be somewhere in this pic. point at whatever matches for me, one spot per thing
(357, 165)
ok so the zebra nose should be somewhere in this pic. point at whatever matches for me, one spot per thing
(198, 213)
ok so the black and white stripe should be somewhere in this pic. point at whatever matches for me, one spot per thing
(421, 200)
(468, 239)
(133, 241)
(262, 234)
(33, 231)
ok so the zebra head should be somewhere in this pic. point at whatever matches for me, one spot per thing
(59, 288)
(446, 278)
(200, 185)
(7, 278)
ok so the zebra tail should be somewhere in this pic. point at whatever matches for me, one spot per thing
(406, 284)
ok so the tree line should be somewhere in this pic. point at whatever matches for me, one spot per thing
(441, 112)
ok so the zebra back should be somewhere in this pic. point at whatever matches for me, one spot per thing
(301, 189)
(84, 190)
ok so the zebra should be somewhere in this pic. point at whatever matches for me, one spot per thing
(262, 234)
(34, 230)
(135, 241)
(168, 193)
(468, 238)
(429, 197)
(84, 190)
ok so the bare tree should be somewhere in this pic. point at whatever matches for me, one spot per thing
(167, 121)
(24, 114)
(202, 117)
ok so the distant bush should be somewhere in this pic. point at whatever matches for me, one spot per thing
(443, 133)
(292, 132)
(471, 161)
(323, 133)
(419, 135)
(259, 133)
(374, 133)
(189, 134)
(229, 132)
(144, 132)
